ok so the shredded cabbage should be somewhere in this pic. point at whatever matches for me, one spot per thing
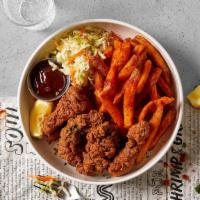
(92, 40)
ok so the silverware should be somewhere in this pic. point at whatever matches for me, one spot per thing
(56, 187)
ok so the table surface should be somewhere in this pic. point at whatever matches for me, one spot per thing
(175, 24)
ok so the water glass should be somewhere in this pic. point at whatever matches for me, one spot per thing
(30, 14)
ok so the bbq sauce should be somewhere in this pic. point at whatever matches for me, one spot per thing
(45, 82)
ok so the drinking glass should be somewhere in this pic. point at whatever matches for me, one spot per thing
(30, 14)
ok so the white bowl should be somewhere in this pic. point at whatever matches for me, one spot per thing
(25, 103)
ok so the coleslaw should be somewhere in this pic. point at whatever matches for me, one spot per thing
(73, 52)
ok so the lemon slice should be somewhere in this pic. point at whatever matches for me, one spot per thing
(194, 97)
(39, 111)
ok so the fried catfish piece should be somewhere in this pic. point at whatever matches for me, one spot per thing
(101, 147)
(74, 101)
(125, 160)
(73, 136)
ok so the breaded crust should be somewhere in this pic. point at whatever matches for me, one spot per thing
(75, 101)
(125, 160)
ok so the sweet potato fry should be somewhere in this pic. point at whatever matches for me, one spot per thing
(98, 81)
(102, 109)
(144, 76)
(155, 76)
(165, 87)
(155, 56)
(98, 64)
(110, 81)
(136, 61)
(154, 92)
(152, 83)
(165, 100)
(134, 43)
(108, 52)
(150, 106)
(154, 125)
(129, 98)
(112, 110)
(139, 49)
(120, 56)
(113, 36)
(128, 68)
(123, 55)
(141, 59)
(98, 85)
(119, 95)
(165, 124)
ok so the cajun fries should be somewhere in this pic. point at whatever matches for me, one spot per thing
(165, 87)
(144, 76)
(135, 61)
(152, 51)
(98, 84)
(166, 122)
(154, 125)
(128, 68)
(137, 87)
(113, 110)
(119, 58)
(98, 64)
(139, 49)
(152, 83)
(158, 107)
(108, 51)
(129, 98)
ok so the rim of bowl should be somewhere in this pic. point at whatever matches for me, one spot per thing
(164, 149)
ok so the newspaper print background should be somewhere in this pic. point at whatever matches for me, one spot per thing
(18, 161)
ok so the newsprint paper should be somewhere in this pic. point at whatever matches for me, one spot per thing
(173, 178)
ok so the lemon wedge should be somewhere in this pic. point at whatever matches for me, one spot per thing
(39, 111)
(194, 97)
